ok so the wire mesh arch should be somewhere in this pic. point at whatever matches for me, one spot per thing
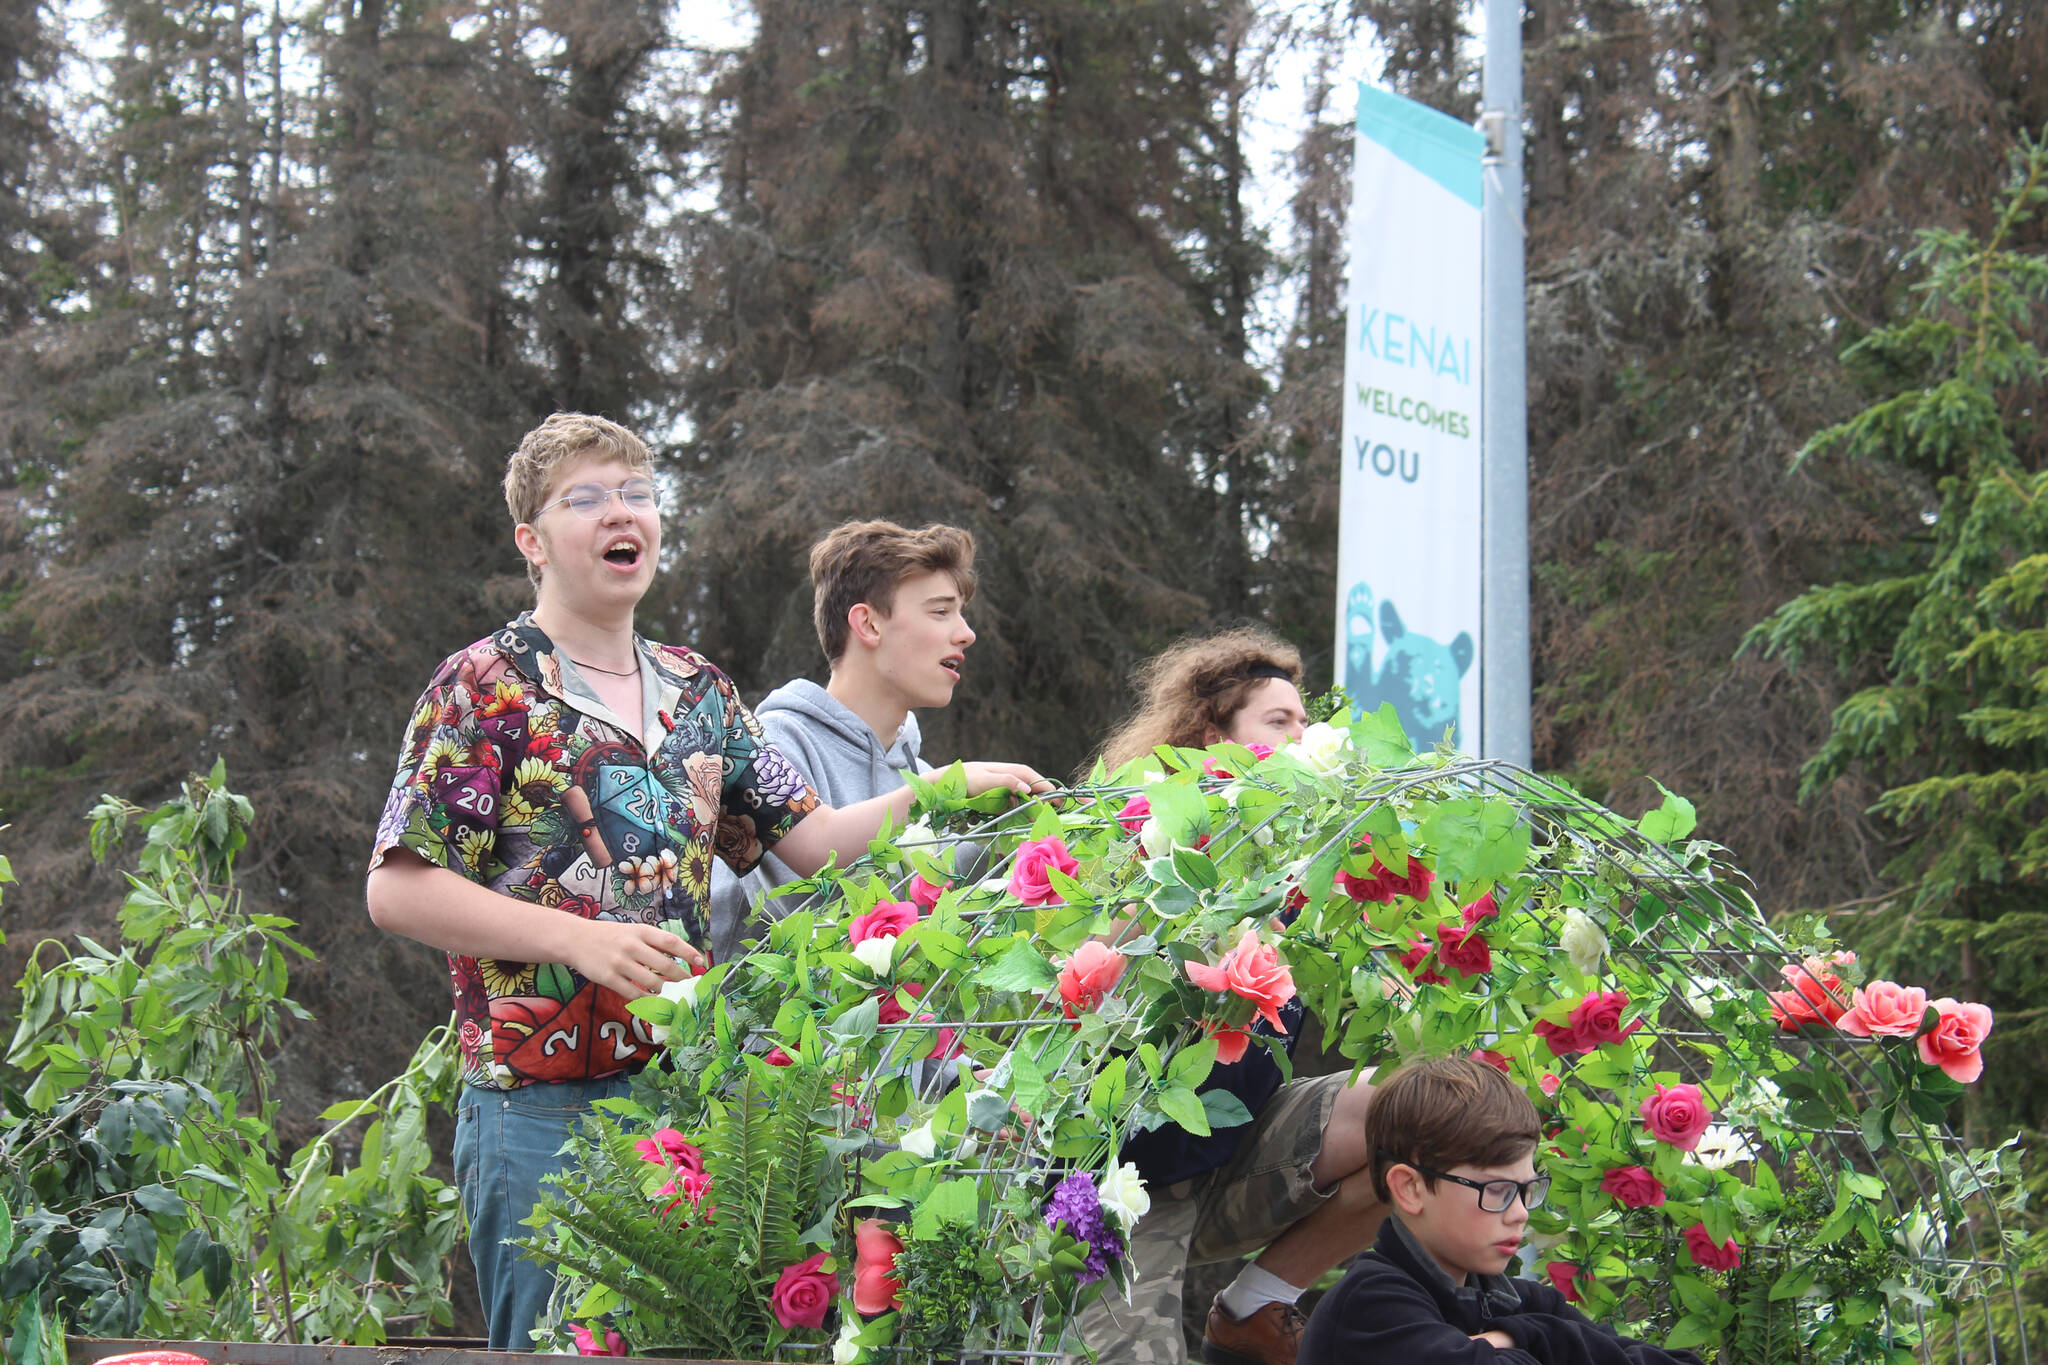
(1045, 1087)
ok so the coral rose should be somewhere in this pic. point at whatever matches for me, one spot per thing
(1463, 951)
(1230, 1042)
(803, 1293)
(1253, 970)
(1816, 996)
(1885, 1009)
(1633, 1187)
(1029, 881)
(1708, 1254)
(886, 920)
(1088, 975)
(875, 1249)
(1676, 1115)
(1953, 1045)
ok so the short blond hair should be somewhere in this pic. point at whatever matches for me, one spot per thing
(556, 444)
(864, 561)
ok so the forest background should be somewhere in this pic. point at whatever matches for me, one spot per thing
(280, 287)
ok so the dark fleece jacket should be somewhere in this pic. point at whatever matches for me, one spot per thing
(1397, 1307)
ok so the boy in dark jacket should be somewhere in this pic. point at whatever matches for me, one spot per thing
(1454, 1144)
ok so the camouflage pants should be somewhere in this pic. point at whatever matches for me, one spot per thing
(1231, 1212)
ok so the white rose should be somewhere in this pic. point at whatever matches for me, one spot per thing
(1324, 747)
(1123, 1194)
(683, 992)
(1583, 942)
(876, 954)
(921, 1142)
(1722, 1146)
(1154, 839)
(845, 1350)
(918, 831)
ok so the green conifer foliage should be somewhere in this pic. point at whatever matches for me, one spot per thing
(1950, 635)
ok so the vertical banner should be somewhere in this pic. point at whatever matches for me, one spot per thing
(1409, 557)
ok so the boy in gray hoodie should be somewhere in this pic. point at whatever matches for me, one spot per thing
(890, 608)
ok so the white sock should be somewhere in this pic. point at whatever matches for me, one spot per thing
(1253, 1289)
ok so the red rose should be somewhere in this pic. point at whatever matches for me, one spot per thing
(1029, 879)
(803, 1293)
(1564, 1279)
(777, 1057)
(1564, 1040)
(892, 1009)
(1380, 885)
(1135, 813)
(1676, 1115)
(1088, 976)
(1253, 970)
(1597, 1018)
(1463, 951)
(1417, 952)
(1954, 1043)
(1633, 1187)
(1492, 1059)
(887, 920)
(1708, 1254)
(875, 1249)
(1483, 908)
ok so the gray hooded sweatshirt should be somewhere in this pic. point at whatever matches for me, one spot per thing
(844, 763)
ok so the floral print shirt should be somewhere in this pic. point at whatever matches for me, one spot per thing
(521, 782)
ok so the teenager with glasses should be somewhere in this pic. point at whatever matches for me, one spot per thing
(561, 792)
(1454, 1154)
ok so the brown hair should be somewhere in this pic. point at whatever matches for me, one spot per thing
(1195, 685)
(1445, 1112)
(863, 561)
(556, 444)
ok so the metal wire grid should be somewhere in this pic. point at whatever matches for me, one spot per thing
(1574, 840)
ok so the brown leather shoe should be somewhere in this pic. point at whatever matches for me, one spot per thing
(1270, 1336)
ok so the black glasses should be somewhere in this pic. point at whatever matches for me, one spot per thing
(1495, 1196)
(588, 500)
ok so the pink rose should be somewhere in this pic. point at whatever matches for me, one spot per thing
(1954, 1043)
(777, 1057)
(875, 1249)
(1549, 1083)
(1088, 976)
(1029, 881)
(1463, 951)
(1230, 1042)
(1215, 769)
(887, 920)
(1253, 970)
(1564, 1279)
(803, 1293)
(924, 894)
(1563, 1039)
(1597, 1018)
(1135, 813)
(586, 1341)
(1816, 994)
(1708, 1254)
(1418, 952)
(892, 1009)
(1633, 1187)
(947, 1045)
(690, 1185)
(1885, 1008)
(1483, 908)
(668, 1148)
(1676, 1115)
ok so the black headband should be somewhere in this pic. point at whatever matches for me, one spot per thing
(1268, 671)
(1250, 674)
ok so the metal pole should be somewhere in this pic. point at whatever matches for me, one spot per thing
(1504, 697)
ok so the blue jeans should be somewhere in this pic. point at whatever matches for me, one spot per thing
(505, 1141)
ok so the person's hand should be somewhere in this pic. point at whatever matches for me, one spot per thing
(1495, 1337)
(632, 959)
(1016, 778)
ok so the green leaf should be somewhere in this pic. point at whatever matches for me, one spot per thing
(1224, 1109)
(1671, 821)
(1020, 969)
(1184, 1107)
(156, 1199)
(1694, 1329)
(858, 1024)
(952, 1203)
(1191, 1065)
(1381, 738)
(1195, 868)
(1695, 1294)
(1476, 839)
(1793, 1282)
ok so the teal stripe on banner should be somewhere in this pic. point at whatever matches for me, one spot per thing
(1439, 146)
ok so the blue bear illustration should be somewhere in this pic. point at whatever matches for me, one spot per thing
(1419, 675)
